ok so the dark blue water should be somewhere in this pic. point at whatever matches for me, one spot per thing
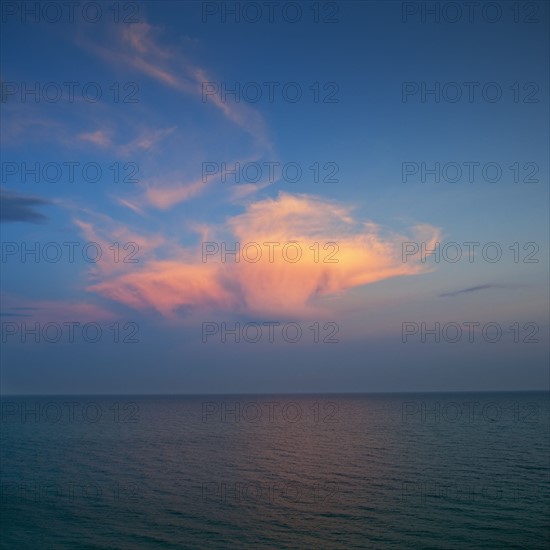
(362, 471)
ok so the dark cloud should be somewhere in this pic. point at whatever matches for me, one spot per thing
(20, 208)
(471, 289)
(22, 309)
(9, 314)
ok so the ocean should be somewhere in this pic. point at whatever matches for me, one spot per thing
(460, 470)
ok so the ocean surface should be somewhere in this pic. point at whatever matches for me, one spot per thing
(462, 470)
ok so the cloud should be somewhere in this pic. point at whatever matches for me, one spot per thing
(133, 247)
(101, 138)
(362, 253)
(164, 192)
(472, 289)
(10, 314)
(20, 208)
(54, 310)
(140, 48)
(136, 47)
(130, 204)
(164, 196)
(146, 140)
(25, 123)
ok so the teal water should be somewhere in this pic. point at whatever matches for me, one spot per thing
(332, 471)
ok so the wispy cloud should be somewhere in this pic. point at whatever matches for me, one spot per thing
(146, 140)
(24, 123)
(165, 195)
(473, 289)
(134, 247)
(170, 189)
(11, 314)
(54, 310)
(137, 47)
(101, 138)
(140, 49)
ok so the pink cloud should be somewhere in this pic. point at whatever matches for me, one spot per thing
(171, 189)
(365, 254)
(99, 138)
(133, 248)
(165, 196)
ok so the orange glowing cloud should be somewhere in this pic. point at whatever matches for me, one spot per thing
(337, 253)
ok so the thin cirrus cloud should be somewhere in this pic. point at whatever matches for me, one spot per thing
(165, 196)
(137, 48)
(145, 141)
(162, 193)
(23, 123)
(166, 191)
(100, 138)
(133, 246)
(473, 289)
(271, 286)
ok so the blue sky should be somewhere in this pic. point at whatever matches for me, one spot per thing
(168, 128)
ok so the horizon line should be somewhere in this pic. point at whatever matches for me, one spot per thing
(199, 394)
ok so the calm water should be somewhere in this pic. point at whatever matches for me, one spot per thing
(362, 471)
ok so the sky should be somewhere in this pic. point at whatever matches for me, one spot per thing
(326, 146)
